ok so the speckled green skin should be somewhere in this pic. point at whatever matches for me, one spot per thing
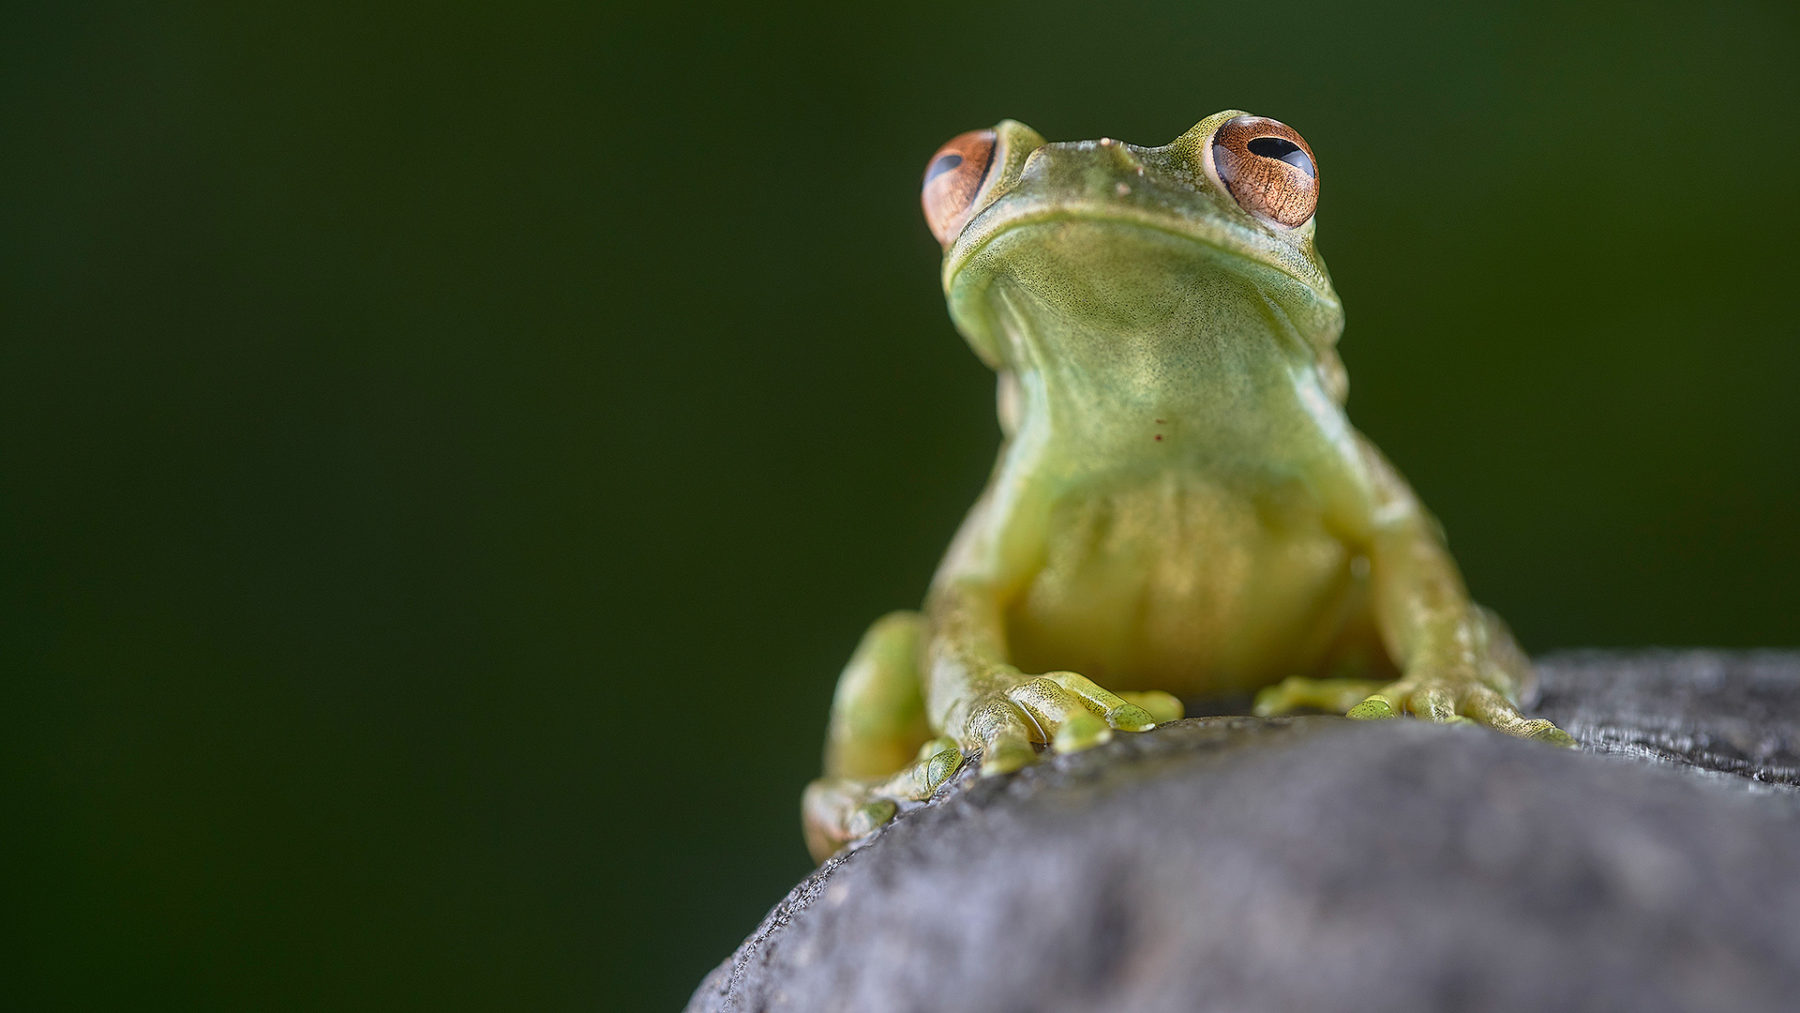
(1180, 508)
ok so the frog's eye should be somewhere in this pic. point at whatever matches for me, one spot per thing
(952, 179)
(1267, 168)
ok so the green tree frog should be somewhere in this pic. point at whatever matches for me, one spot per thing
(1180, 508)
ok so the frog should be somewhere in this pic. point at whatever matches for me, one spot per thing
(1180, 509)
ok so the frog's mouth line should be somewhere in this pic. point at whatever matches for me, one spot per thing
(965, 251)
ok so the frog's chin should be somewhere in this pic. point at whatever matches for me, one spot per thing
(1228, 240)
(1105, 252)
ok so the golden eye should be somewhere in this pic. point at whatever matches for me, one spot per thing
(1267, 168)
(952, 179)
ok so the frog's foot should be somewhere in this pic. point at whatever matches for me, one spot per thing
(839, 810)
(1161, 706)
(1065, 710)
(1453, 700)
(1296, 693)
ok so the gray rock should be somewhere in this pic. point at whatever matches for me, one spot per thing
(1317, 863)
(1727, 712)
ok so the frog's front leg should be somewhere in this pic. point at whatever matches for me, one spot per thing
(1456, 659)
(976, 696)
(879, 751)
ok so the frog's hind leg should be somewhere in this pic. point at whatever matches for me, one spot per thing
(1505, 674)
(879, 752)
(1355, 665)
(1493, 700)
(1335, 695)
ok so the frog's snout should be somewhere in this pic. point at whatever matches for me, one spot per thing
(1105, 159)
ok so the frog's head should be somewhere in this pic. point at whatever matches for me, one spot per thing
(1213, 230)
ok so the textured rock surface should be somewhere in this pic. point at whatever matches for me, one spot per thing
(1315, 863)
(1721, 711)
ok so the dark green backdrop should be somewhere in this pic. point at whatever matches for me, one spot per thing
(445, 457)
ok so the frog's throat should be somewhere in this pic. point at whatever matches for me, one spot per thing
(1303, 312)
(1203, 219)
(981, 235)
(1305, 288)
(1233, 383)
(1224, 345)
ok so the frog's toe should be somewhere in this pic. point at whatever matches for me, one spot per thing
(1375, 708)
(938, 759)
(1457, 701)
(1082, 731)
(1159, 705)
(1433, 702)
(1494, 710)
(1120, 712)
(1543, 730)
(1003, 731)
(1065, 710)
(834, 812)
(1536, 729)
(866, 818)
(1063, 718)
(1074, 714)
(837, 811)
(1335, 696)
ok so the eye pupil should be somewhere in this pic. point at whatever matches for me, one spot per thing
(943, 164)
(1284, 150)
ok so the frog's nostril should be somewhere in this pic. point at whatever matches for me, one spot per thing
(1104, 154)
(1118, 154)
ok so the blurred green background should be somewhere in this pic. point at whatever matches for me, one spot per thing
(445, 456)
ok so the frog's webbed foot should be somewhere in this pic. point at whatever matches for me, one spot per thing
(1298, 693)
(1066, 711)
(836, 811)
(1447, 698)
(1456, 699)
(1063, 710)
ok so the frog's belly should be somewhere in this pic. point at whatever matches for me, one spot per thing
(1184, 585)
